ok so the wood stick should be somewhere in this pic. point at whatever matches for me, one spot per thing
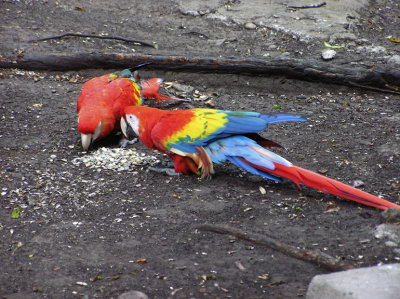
(92, 36)
(308, 6)
(312, 256)
(311, 70)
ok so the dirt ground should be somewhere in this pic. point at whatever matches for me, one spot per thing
(81, 232)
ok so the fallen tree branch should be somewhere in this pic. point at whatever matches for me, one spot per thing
(310, 70)
(308, 6)
(313, 256)
(92, 36)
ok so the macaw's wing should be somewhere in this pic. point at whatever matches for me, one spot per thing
(91, 89)
(187, 132)
(184, 130)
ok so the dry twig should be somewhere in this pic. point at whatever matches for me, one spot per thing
(92, 36)
(312, 256)
(308, 6)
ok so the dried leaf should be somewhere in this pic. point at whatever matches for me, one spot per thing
(74, 79)
(264, 276)
(141, 261)
(208, 276)
(210, 103)
(332, 207)
(323, 171)
(240, 266)
(395, 40)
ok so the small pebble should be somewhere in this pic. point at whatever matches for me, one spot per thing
(328, 54)
(358, 183)
(390, 216)
(250, 26)
(394, 60)
(133, 295)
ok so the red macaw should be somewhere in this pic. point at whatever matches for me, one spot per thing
(197, 138)
(151, 88)
(103, 99)
(102, 102)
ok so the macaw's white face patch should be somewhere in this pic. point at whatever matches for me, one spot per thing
(133, 121)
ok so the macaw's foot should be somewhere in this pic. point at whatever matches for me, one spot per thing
(168, 164)
(123, 143)
(168, 171)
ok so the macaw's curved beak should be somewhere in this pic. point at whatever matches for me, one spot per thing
(86, 141)
(123, 126)
(127, 130)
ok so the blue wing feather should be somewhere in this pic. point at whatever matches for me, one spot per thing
(244, 152)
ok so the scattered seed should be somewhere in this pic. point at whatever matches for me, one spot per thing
(81, 283)
(262, 190)
(240, 266)
(323, 171)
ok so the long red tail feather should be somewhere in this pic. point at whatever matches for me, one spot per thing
(327, 185)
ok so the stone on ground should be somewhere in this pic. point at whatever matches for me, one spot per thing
(373, 282)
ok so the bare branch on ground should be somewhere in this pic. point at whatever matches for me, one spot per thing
(313, 256)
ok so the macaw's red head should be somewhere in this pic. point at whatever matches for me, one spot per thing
(94, 122)
(138, 121)
(130, 126)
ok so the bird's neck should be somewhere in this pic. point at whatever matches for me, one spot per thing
(150, 118)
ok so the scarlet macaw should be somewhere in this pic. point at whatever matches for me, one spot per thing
(101, 103)
(197, 138)
(151, 88)
(104, 98)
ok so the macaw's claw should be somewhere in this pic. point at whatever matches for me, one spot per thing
(123, 143)
(168, 171)
(168, 164)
